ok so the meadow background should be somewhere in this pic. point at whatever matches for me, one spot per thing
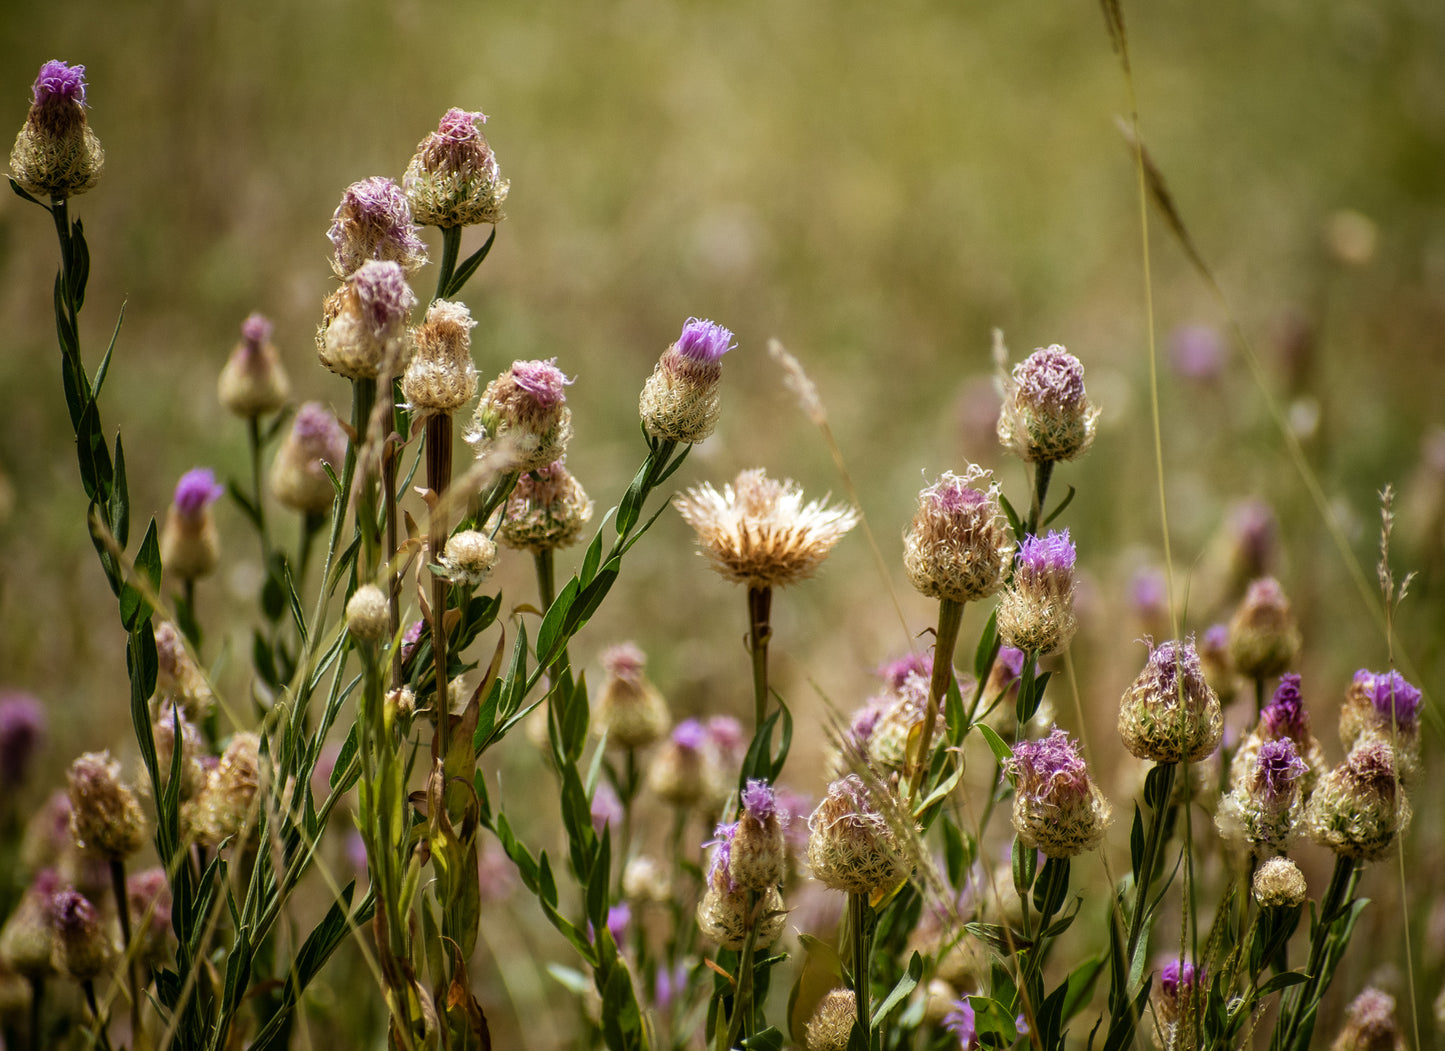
(878, 186)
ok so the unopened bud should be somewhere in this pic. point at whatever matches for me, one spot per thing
(526, 407)
(1046, 414)
(1036, 614)
(1169, 714)
(190, 544)
(298, 478)
(958, 547)
(253, 382)
(851, 846)
(680, 400)
(105, 815)
(547, 509)
(82, 949)
(1263, 636)
(630, 711)
(441, 377)
(368, 614)
(453, 179)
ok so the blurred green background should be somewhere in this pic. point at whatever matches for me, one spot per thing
(878, 186)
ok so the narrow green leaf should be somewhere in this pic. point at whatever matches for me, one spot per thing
(769, 1039)
(20, 192)
(103, 369)
(1065, 502)
(996, 744)
(468, 267)
(119, 506)
(550, 636)
(905, 985)
(988, 647)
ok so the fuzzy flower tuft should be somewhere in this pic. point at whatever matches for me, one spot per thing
(831, 1024)
(1278, 883)
(105, 815)
(373, 222)
(1264, 638)
(1264, 805)
(1370, 1024)
(441, 377)
(680, 401)
(364, 328)
(1057, 807)
(56, 153)
(851, 845)
(526, 406)
(547, 509)
(758, 854)
(1046, 414)
(1178, 1004)
(1170, 714)
(958, 546)
(453, 178)
(1037, 611)
(1384, 705)
(57, 82)
(196, 491)
(703, 341)
(759, 532)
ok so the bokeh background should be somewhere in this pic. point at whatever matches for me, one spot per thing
(879, 186)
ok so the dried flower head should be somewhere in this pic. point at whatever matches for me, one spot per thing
(82, 949)
(1179, 1004)
(1265, 803)
(1278, 883)
(253, 382)
(758, 856)
(163, 730)
(298, 478)
(1264, 638)
(224, 806)
(547, 509)
(441, 377)
(832, 1022)
(1384, 704)
(368, 614)
(630, 711)
(27, 941)
(527, 407)
(958, 547)
(190, 545)
(1046, 414)
(1359, 808)
(22, 726)
(1370, 1024)
(453, 178)
(364, 329)
(468, 558)
(851, 845)
(56, 153)
(105, 815)
(1036, 614)
(759, 532)
(1170, 714)
(680, 400)
(1057, 807)
(373, 222)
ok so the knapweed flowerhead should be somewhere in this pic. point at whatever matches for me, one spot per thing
(526, 407)
(22, 726)
(1278, 883)
(1264, 638)
(759, 532)
(253, 383)
(27, 941)
(606, 808)
(468, 558)
(726, 911)
(1218, 668)
(1179, 1004)
(1265, 803)
(630, 711)
(958, 547)
(163, 731)
(82, 949)
(1169, 714)
(105, 815)
(441, 377)
(547, 509)
(1284, 717)
(368, 614)
(680, 401)
(1370, 1024)
(298, 477)
(1057, 807)
(1359, 808)
(364, 325)
(901, 712)
(374, 222)
(179, 679)
(851, 845)
(896, 672)
(962, 1022)
(1036, 614)
(1046, 415)
(56, 153)
(453, 178)
(832, 1022)
(196, 491)
(224, 807)
(682, 773)
(1385, 705)
(759, 853)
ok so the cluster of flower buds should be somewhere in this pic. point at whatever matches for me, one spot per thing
(1057, 807)
(958, 546)
(1169, 714)
(749, 861)
(1383, 705)
(1036, 614)
(680, 400)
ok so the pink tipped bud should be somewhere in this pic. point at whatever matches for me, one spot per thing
(1264, 638)
(56, 153)
(1057, 807)
(526, 408)
(82, 949)
(190, 544)
(548, 509)
(1170, 714)
(373, 222)
(1046, 414)
(680, 401)
(958, 547)
(298, 478)
(453, 179)
(852, 846)
(1037, 611)
(105, 815)
(253, 383)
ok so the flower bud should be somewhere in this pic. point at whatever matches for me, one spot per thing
(682, 773)
(1214, 659)
(1278, 883)
(1384, 705)
(1036, 614)
(630, 711)
(224, 807)
(297, 477)
(368, 614)
(27, 941)
(1179, 1005)
(724, 914)
(1359, 808)
(958, 547)
(373, 222)
(526, 407)
(680, 401)
(148, 896)
(900, 715)
(832, 1022)
(1263, 636)
(190, 545)
(1284, 717)
(644, 881)
(105, 815)
(56, 153)
(758, 856)
(453, 179)
(1057, 807)
(441, 377)
(851, 845)
(22, 726)
(82, 949)
(179, 679)
(364, 327)
(1265, 804)
(1046, 414)
(547, 509)
(1370, 1024)
(253, 383)
(468, 558)
(1169, 714)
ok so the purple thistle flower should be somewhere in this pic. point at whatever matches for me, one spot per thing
(1049, 766)
(690, 735)
(961, 1023)
(411, 637)
(1285, 714)
(1011, 660)
(256, 330)
(319, 434)
(1180, 977)
(1389, 690)
(618, 918)
(894, 673)
(704, 341)
(22, 724)
(1197, 352)
(1277, 769)
(722, 859)
(383, 295)
(865, 721)
(456, 141)
(759, 800)
(1051, 376)
(1051, 554)
(670, 984)
(953, 494)
(606, 807)
(543, 380)
(196, 491)
(373, 222)
(56, 80)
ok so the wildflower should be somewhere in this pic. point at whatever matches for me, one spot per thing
(759, 851)
(898, 714)
(81, 946)
(1046, 415)
(224, 806)
(758, 531)
(1178, 1004)
(962, 1023)
(728, 908)
(1358, 809)
(453, 178)
(631, 711)
(1263, 636)
(148, 896)
(22, 725)
(1170, 714)
(364, 327)
(958, 546)
(1370, 1024)
(1197, 352)
(725, 734)
(681, 774)
(896, 672)
(606, 808)
(526, 406)
(105, 815)
(619, 918)
(368, 614)
(468, 558)
(547, 509)
(1383, 705)
(27, 940)
(644, 880)
(1278, 883)
(441, 377)
(680, 401)
(1057, 807)
(1265, 804)
(832, 1022)
(179, 680)
(253, 382)
(1036, 614)
(852, 846)
(190, 545)
(57, 154)
(373, 222)
(1283, 718)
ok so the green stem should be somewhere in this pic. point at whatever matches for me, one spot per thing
(741, 1024)
(1043, 471)
(1153, 847)
(393, 590)
(122, 908)
(546, 577)
(253, 434)
(760, 632)
(439, 476)
(1336, 897)
(363, 399)
(950, 617)
(859, 913)
(102, 1038)
(451, 248)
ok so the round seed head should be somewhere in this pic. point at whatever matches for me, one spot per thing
(1169, 714)
(958, 547)
(453, 178)
(1046, 414)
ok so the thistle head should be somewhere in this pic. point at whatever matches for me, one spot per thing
(1370, 1024)
(82, 949)
(526, 407)
(682, 773)
(1264, 638)
(1169, 714)
(105, 815)
(680, 401)
(1359, 808)
(373, 222)
(1278, 883)
(453, 178)
(851, 845)
(724, 915)
(1057, 807)
(958, 546)
(224, 807)
(22, 727)
(630, 710)
(831, 1024)
(253, 383)
(1384, 705)
(298, 477)
(27, 940)
(148, 896)
(1046, 414)
(1036, 614)
(364, 327)
(758, 856)
(57, 154)
(368, 614)
(547, 509)
(1265, 803)
(441, 377)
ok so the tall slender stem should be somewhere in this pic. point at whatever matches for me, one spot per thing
(1153, 845)
(363, 399)
(122, 908)
(950, 617)
(1336, 896)
(1043, 471)
(760, 632)
(439, 477)
(862, 962)
(393, 591)
(546, 577)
